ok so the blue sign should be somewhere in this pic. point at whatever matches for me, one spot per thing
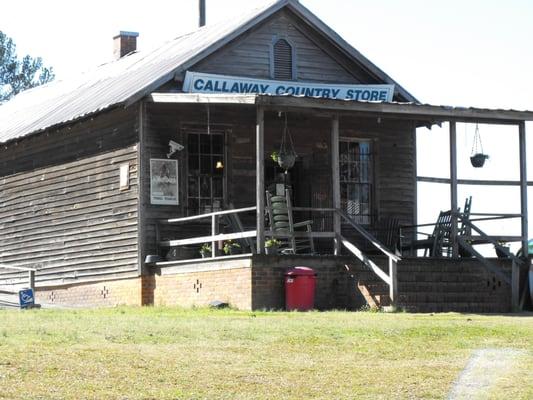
(196, 82)
(26, 298)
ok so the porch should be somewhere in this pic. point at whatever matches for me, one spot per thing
(337, 232)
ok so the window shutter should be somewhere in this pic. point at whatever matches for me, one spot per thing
(283, 60)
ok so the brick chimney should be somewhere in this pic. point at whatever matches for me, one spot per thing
(124, 43)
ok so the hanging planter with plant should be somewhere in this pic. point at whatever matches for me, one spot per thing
(286, 156)
(477, 157)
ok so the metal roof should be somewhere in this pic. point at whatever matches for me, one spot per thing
(124, 81)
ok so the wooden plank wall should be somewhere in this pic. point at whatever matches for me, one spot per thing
(63, 211)
(249, 55)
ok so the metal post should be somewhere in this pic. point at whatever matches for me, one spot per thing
(214, 231)
(515, 286)
(393, 285)
(453, 188)
(260, 179)
(336, 183)
(201, 5)
(523, 186)
(31, 279)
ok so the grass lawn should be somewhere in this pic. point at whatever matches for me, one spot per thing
(170, 353)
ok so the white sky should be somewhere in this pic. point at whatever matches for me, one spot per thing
(454, 52)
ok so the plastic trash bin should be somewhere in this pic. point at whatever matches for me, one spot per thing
(300, 284)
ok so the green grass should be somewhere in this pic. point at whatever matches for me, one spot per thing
(170, 353)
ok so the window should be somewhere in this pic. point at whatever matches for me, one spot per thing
(205, 181)
(282, 63)
(355, 165)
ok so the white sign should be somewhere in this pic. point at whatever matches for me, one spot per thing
(164, 181)
(197, 82)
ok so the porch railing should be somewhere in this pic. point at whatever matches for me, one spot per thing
(31, 276)
(389, 278)
(215, 237)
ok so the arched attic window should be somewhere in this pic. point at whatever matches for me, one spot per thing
(282, 60)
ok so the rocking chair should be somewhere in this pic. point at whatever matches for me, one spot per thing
(283, 227)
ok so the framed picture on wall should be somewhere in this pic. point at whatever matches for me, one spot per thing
(164, 182)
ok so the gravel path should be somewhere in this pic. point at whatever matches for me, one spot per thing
(482, 371)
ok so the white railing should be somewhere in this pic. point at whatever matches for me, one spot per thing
(31, 274)
(215, 237)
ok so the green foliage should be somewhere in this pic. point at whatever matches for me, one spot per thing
(17, 74)
(230, 246)
(272, 243)
(205, 249)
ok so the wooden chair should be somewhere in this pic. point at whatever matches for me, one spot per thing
(280, 216)
(387, 232)
(438, 243)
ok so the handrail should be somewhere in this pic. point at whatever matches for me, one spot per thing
(207, 215)
(490, 239)
(368, 236)
(19, 268)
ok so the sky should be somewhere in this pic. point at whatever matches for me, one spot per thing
(475, 53)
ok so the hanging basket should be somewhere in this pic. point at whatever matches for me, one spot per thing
(286, 161)
(478, 160)
(286, 155)
(477, 157)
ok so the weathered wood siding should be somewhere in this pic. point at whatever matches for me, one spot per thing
(316, 60)
(61, 208)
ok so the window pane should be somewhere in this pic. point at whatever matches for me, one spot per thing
(205, 144)
(192, 143)
(205, 165)
(218, 144)
(194, 164)
(193, 186)
(205, 187)
(217, 187)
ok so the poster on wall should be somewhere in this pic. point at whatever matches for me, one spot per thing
(164, 181)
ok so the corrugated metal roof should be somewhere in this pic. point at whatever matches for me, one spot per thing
(130, 78)
(110, 84)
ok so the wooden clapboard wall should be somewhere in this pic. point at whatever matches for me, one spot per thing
(316, 60)
(63, 211)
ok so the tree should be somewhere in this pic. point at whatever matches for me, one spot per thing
(18, 75)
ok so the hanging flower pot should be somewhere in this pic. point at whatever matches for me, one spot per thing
(286, 161)
(477, 157)
(286, 156)
(478, 160)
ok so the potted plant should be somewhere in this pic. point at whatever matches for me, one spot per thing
(272, 246)
(205, 250)
(499, 252)
(478, 160)
(230, 246)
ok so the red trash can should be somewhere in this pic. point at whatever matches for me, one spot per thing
(300, 284)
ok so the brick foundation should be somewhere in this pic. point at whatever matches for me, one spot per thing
(101, 294)
(187, 286)
(424, 285)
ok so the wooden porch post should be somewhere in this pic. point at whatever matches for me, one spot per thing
(31, 279)
(523, 186)
(453, 187)
(260, 179)
(336, 183)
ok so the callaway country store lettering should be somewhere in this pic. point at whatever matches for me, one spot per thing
(221, 86)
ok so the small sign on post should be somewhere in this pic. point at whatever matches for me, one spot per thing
(26, 298)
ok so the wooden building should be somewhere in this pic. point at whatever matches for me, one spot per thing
(96, 173)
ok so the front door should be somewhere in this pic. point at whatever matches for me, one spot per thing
(205, 180)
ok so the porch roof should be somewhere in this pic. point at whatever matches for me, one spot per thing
(419, 112)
